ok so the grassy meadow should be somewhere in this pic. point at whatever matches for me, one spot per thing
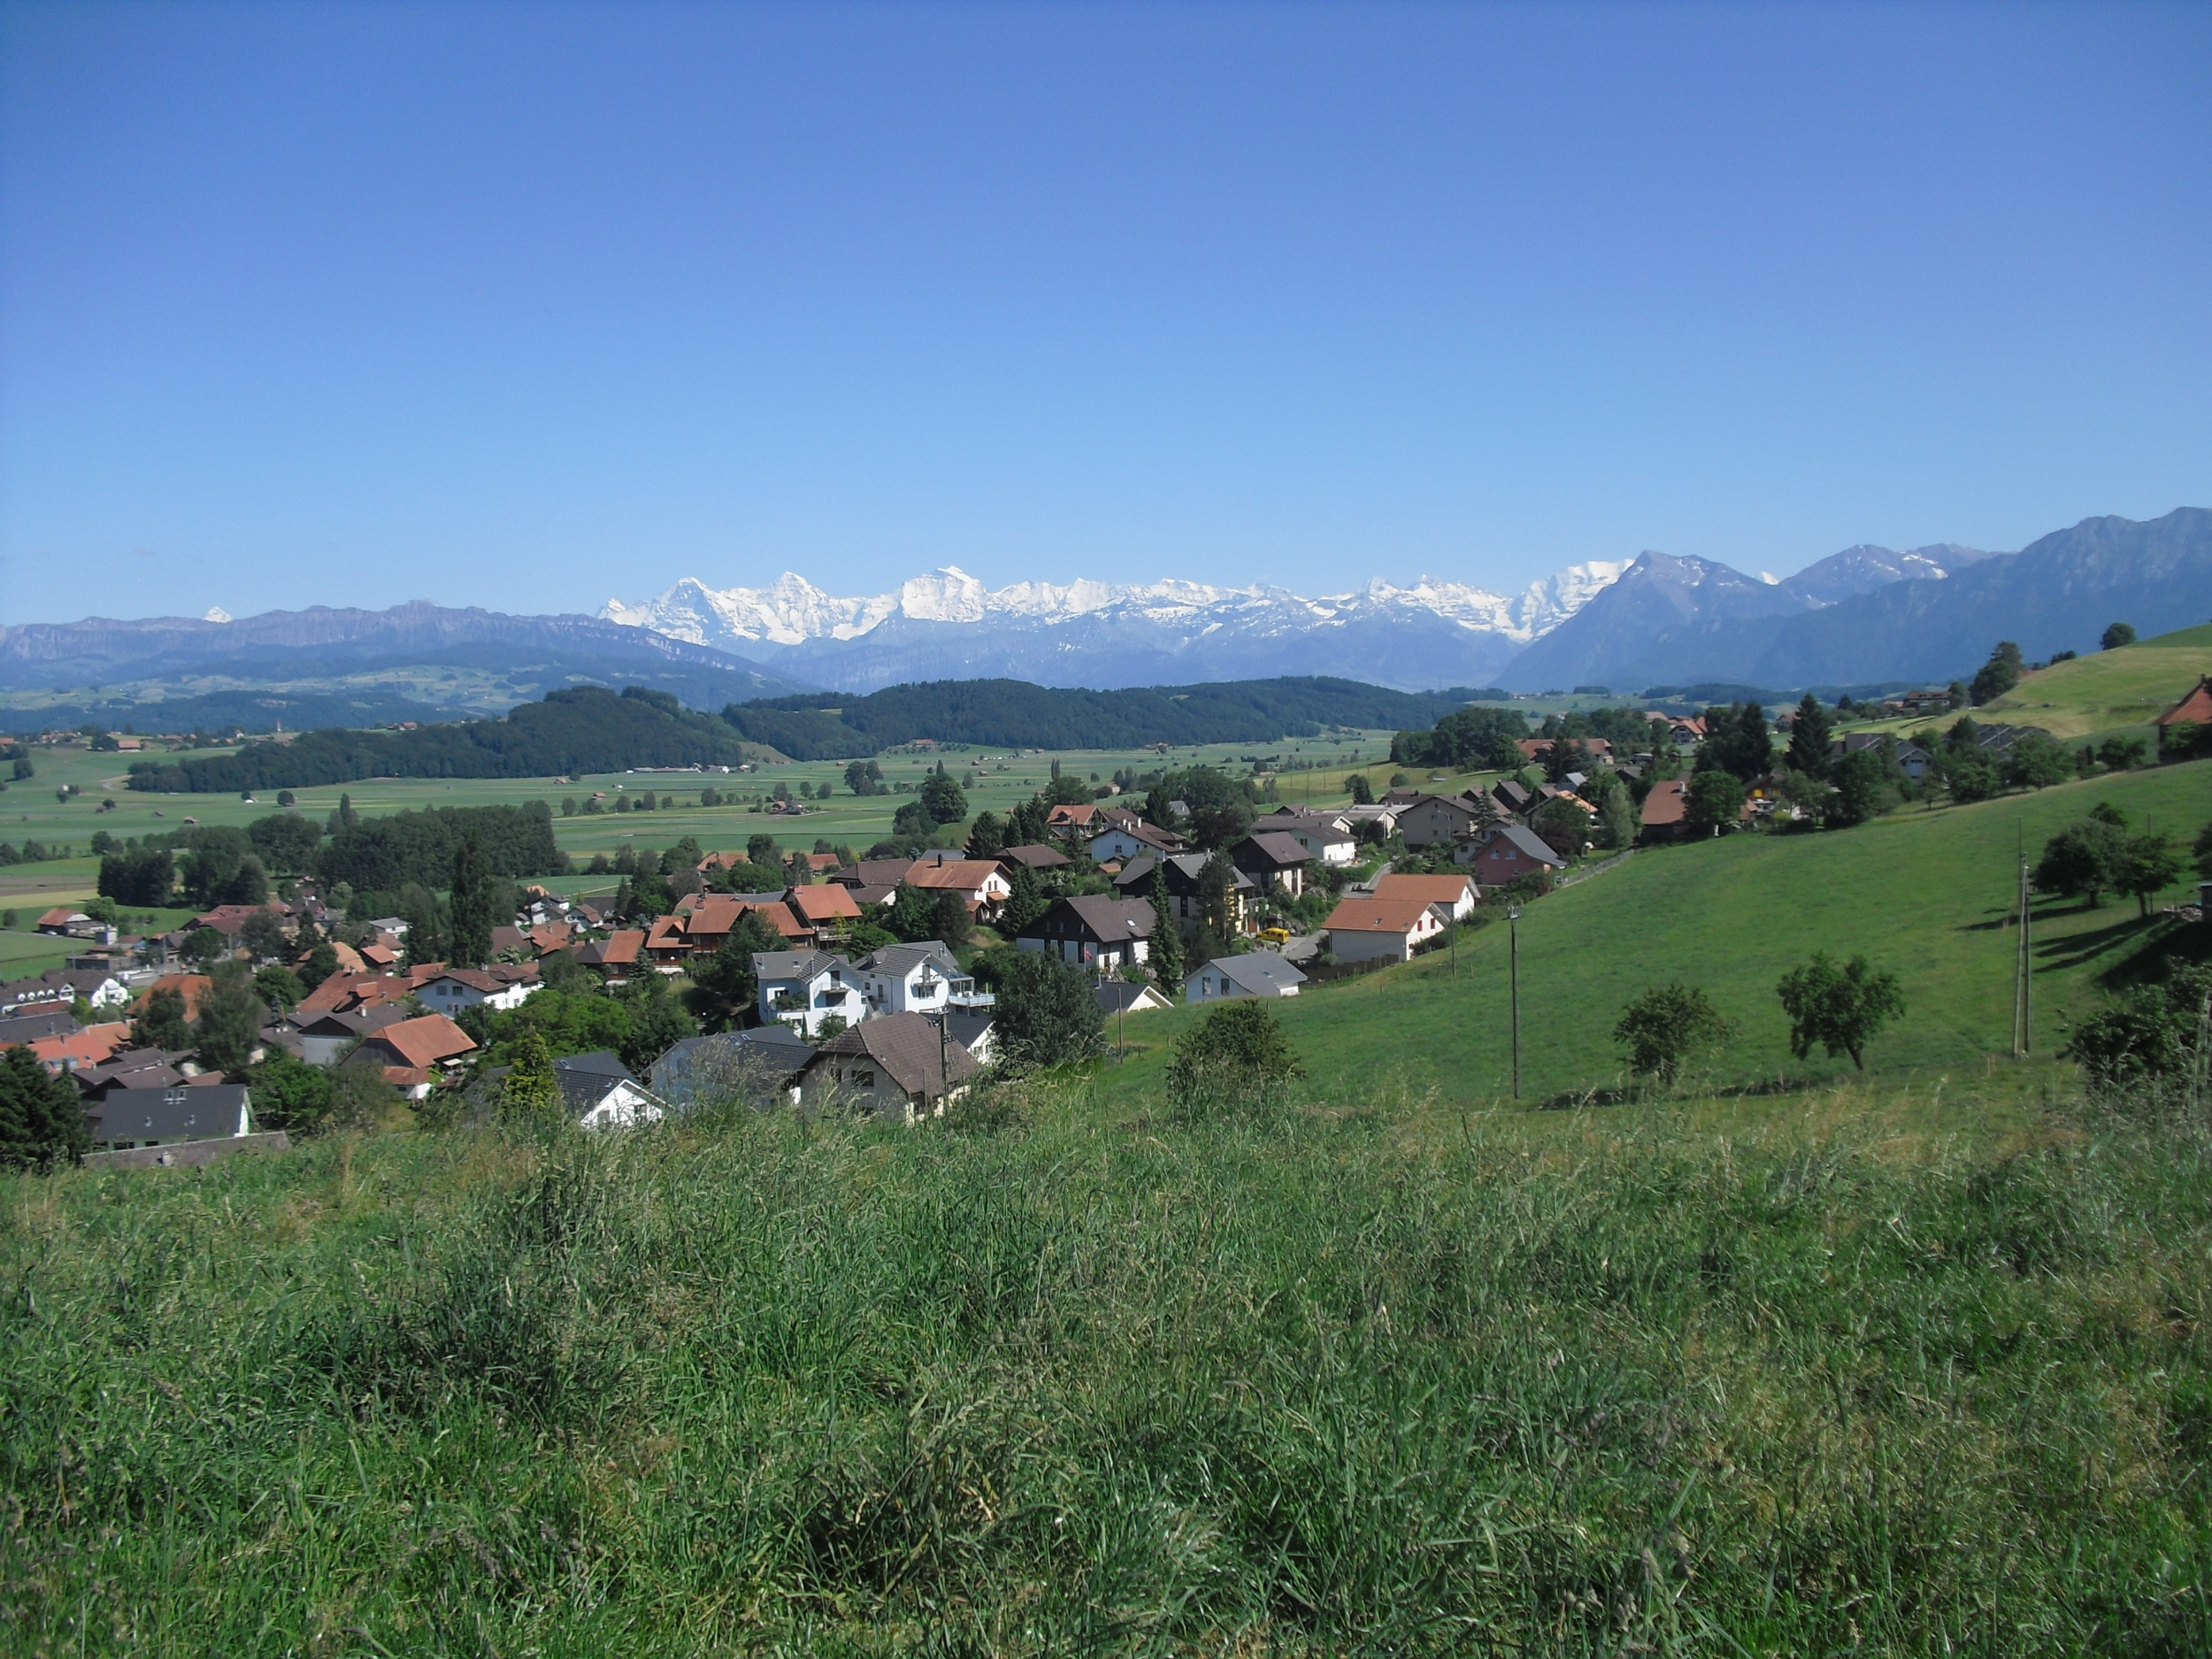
(1862, 1375)
(1927, 895)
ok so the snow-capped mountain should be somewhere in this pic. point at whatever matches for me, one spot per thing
(948, 625)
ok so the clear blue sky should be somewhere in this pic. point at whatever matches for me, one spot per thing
(528, 305)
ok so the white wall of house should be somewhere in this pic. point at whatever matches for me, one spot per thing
(1347, 945)
(624, 1106)
(804, 1004)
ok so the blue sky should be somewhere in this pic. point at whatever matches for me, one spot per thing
(528, 305)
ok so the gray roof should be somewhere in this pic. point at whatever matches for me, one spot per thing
(752, 1065)
(1037, 857)
(1105, 919)
(907, 1046)
(586, 1079)
(794, 965)
(970, 1024)
(1277, 847)
(31, 1027)
(1529, 841)
(1183, 870)
(204, 1111)
(900, 960)
(1262, 972)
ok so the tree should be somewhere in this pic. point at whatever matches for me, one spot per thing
(763, 850)
(1666, 1025)
(530, 1091)
(942, 797)
(1997, 676)
(1840, 1009)
(161, 1022)
(1363, 792)
(263, 936)
(912, 821)
(1562, 826)
(2081, 861)
(1714, 799)
(1809, 738)
(986, 836)
(2036, 762)
(912, 914)
(1565, 756)
(1047, 1014)
(2149, 1034)
(1158, 808)
(343, 817)
(951, 922)
(426, 929)
(290, 1094)
(1737, 741)
(1166, 948)
(42, 1120)
(286, 841)
(1217, 893)
(2123, 754)
(725, 992)
(279, 985)
(1866, 786)
(1027, 826)
(2147, 865)
(865, 777)
(204, 948)
(2202, 847)
(2119, 634)
(140, 878)
(1025, 904)
(1237, 1054)
(229, 1023)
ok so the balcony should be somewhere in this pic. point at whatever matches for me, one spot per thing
(964, 994)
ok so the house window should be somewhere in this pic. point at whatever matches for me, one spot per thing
(864, 1080)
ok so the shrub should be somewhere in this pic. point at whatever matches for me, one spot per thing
(1236, 1057)
(1665, 1027)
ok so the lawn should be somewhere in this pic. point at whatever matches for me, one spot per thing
(1927, 895)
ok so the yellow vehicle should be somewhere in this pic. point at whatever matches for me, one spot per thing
(1276, 936)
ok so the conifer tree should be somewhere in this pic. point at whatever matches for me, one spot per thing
(1166, 944)
(531, 1089)
(1809, 738)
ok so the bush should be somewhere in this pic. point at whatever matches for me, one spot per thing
(1236, 1057)
(1046, 1012)
(1665, 1027)
(2148, 1036)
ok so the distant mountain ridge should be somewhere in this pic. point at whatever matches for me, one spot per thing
(1682, 620)
(949, 625)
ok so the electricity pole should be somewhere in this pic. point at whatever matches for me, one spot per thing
(1513, 924)
(2023, 964)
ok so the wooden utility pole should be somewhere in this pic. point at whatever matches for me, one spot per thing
(2023, 963)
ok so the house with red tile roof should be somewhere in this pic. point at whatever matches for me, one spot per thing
(1365, 929)
(411, 1052)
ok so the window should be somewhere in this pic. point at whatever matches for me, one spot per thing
(864, 1080)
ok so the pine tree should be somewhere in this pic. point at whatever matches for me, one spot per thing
(42, 1119)
(1025, 904)
(531, 1089)
(1166, 944)
(1809, 738)
(470, 906)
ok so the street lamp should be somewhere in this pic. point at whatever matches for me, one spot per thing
(1513, 924)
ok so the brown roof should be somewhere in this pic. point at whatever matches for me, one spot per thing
(1664, 805)
(1276, 847)
(823, 902)
(1377, 916)
(189, 986)
(907, 1046)
(423, 1040)
(1036, 857)
(874, 873)
(964, 875)
(1077, 815)
(720, 861)
(1448, 890)
(618, 949)
(2195, 709)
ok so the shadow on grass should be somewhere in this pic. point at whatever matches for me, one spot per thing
(2077, 949)
(2171, 943)
(2003, 919)
(1640, 1095)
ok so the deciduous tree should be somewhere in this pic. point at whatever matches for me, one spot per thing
(1840, 1009)
(1665, 1027)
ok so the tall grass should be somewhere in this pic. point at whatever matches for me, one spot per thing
(1296, 1381)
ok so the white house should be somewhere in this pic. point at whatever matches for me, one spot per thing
(1259, 974)
(802, 988)
(1455, 893)
(1329, 838)
(600, 1093)
(1364, 929)
(457, 989)
(923, 978)
(1135, 840)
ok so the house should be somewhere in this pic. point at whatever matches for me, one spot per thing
(1093, 932)
(1513, 798)
(413, 1052)
(976, 1030)
(823, 907)
(1273, 861)
(755, 1066)
(2194, 710)
(982, 886)
(190, 986)
(1506, 853)
(230, 919)
(93, 1046)
(618, 955)
(1455, 893)
(456, 988)
(1258, 973)
(921, 977)
(1036, 857)
(63, 987)
(1181, 873)
(37, 1028)
(164, 1117)
(1131, 839)
(139, 1068)
(904, 1067)
(872, 880)
(1432, 820)
(599, 1091)
(1073, 823)
(1364, 929)
(64, 923)
(804, 988)
(1329, 838)
(714, 863)
(1666, 811)
(324, 1039)
(1533, 749)
(1125, 997)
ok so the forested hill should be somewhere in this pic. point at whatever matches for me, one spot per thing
(1014, 714)
(583, 730)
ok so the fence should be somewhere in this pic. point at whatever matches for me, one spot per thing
(187, 1154)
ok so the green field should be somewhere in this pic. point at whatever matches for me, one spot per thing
(1926, 894)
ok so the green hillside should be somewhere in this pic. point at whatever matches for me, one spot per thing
(1925, 893)
(2109, 691)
